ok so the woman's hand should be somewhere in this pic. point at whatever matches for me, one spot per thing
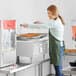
(24, 25)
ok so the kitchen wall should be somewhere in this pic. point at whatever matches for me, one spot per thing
(5, 10)
(32, 10)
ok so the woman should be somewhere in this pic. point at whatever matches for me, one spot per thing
(56, 45)
(56, 32)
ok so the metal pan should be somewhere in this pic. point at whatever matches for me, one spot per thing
(27, 38)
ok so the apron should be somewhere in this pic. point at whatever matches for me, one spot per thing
(54, 50)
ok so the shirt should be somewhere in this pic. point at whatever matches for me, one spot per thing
(56, 28)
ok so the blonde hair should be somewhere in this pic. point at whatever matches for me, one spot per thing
(54, 11)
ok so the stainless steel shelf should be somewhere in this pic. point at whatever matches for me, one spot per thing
(12, 69)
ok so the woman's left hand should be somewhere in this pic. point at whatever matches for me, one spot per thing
(37, 22)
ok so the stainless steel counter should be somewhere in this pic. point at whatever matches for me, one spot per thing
(39, 44)
(32, 47)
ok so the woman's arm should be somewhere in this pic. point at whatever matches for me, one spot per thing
(35, 25)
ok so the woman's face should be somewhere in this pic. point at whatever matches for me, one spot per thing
(50, 15)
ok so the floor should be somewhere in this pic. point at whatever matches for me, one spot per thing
(54, 75)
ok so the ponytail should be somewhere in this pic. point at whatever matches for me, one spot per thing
(61, 20)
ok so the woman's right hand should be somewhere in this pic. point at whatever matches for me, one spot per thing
(24, 25)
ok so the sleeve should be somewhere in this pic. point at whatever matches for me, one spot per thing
(44, 25)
